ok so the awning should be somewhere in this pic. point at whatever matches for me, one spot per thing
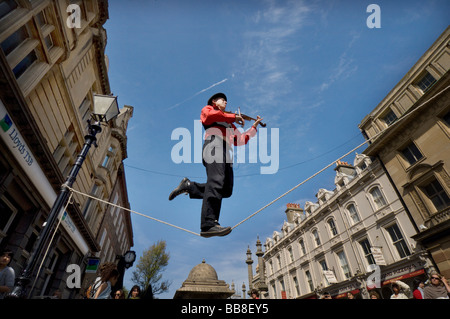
(406, 276)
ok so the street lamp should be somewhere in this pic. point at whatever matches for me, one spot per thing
(105, 108)
(125, 262)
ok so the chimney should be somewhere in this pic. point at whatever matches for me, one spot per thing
(291, 210)
(345, 168)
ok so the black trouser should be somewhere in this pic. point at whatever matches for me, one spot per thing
(219, 182)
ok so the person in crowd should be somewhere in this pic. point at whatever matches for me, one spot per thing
(147, 293)
(7, 274)
(254, 294)
(350, 295)
(374, 294)
(418, 286)
(119, 294)
(438, 287)
(135, 292)
(401, 290)
(104, 271)
(326, 295)
(108, 280)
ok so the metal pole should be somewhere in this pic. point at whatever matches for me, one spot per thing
(22, 281)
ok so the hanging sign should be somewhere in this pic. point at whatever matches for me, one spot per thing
(329, 275)
(377, 254)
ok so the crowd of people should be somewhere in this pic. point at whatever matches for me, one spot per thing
(436, 287)
(107, 279)
(101, 288)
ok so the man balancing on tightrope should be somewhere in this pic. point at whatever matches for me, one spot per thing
(220, 134)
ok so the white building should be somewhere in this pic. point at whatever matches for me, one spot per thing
(331, 243)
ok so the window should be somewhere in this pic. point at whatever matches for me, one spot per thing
(34, 47)
(297, 287)
(323, 264)
(362, 166)
(19, 49)
(344, 265)
(14, 40)
(106, 161)
(309, 280)
(283, 287)
(33, 238)
(365, 245)
(50, 273)
(24, 64)
(66, 152)
(108, 157)
(46, 28)
(426, 82)
(274, 289)
(85, 112)
(411, 153)
(6, 7)
(398, 241)
(353, 213)
(8, 212)
(437, 195)
(302, 246)
(291, 254)
(333, 228)
(89, 206)
(390, 118)
(377, 197)
(316, 237)
(279, 261)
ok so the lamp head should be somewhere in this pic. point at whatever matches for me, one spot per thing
(106, 108)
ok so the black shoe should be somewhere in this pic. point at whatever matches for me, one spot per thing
(182, 188)
(216, 230)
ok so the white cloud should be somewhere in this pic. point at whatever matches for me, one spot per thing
(345, 67)
(342, 71)
(265, 66)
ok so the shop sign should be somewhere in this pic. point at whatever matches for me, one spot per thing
(22, 153)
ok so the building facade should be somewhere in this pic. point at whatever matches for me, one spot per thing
(356, 233)
(52, 62)
(413, 127)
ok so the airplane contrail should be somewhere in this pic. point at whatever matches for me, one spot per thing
(199, 92)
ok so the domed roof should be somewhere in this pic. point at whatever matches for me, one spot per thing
(203, 272)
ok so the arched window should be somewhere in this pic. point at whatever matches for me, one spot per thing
(316, 237)
(377, 197)
(353, 213)
(333, 228)
(302, 247)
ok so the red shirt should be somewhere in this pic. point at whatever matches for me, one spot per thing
(212, 114)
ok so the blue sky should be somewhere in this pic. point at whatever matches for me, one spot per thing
(311, 69)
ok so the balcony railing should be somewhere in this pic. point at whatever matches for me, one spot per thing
(438, 218)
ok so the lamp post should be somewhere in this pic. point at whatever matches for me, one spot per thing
(125, 261)
(105, 109)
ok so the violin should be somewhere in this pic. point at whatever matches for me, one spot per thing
(246, 117)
